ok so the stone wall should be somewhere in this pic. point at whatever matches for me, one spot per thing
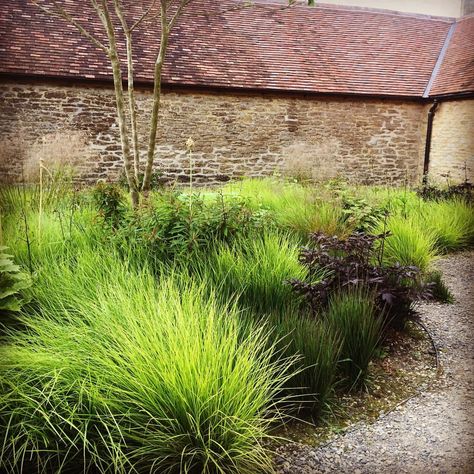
(452, 146)
(366, 140)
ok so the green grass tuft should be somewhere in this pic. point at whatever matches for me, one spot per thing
(410, 243)
(118, 373)
(353, 317)
(452, 223)
(440, 292)
(254, 273)
(319, 347)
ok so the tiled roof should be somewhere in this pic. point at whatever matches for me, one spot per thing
(263, 46)
(456, 72)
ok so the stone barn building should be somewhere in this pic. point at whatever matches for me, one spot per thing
(370, 95)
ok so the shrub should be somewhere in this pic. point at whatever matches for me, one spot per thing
(179, 227)
(110, 202)
(12, 283)
(58, 154)
(355, 263)
(431, 192)
(396, 201)
(360, 215)
(307, 162)
(51, 164)
(116, 373)
(354, 317)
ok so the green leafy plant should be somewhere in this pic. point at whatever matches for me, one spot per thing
(110, 202)
(359, 214)
(179, 227)
(12, 283)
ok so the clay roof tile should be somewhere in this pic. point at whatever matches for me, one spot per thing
(262, 46)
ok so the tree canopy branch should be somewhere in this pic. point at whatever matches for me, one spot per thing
(181, 6)
(121, 17)
(144, 16)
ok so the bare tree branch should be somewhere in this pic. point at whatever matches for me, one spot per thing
(144, 16)
(101, 14)
(121, 16)
(179, 10)
(169, 12)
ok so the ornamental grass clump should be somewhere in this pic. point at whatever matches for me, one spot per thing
(451, 222)
(68, 228)
(317, 216)
(319, 346)
(271, 193)
(354, 317)
(118, 372)
(439, 291)
(410, 243)
(294, 207)
(253, 272)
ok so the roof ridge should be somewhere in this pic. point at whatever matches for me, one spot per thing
(440, 59)
(466, 17)
(381, 11)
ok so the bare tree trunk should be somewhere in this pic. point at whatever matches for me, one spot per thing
(156, 101)
(131, 91)
(118, 87)
(131, 158)
(133, 110)
(132, 183)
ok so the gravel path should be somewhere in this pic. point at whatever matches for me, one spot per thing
(432, 433)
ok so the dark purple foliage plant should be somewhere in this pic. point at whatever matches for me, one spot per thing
(356, 262)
